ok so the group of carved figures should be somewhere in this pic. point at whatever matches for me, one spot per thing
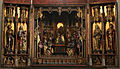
(48, 42)
(75, 41)
(98, 39)
(21, 40)
(45, 45)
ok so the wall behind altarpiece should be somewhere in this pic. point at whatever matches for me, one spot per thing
(61, 34)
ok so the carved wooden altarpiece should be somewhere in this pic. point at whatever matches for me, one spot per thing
(59, 33)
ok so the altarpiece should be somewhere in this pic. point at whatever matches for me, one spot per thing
(65, 34)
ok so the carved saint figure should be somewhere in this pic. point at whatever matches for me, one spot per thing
(9, 39)
(60, 38)
(21, 40)
(111, 37)
(97, 36)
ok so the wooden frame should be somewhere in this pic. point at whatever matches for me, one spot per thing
(16, 21)
(58, 11)
(103, 32)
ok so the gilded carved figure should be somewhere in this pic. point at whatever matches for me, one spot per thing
(97, 36)
(9, 40)
(111, 38)
(60, 38)
(21, 40)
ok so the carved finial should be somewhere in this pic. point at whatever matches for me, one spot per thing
(60, 10)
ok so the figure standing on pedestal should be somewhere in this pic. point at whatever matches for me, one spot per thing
(20, 34)
(21, 40)
(111, 38)
(97, 36)
(9, 40)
